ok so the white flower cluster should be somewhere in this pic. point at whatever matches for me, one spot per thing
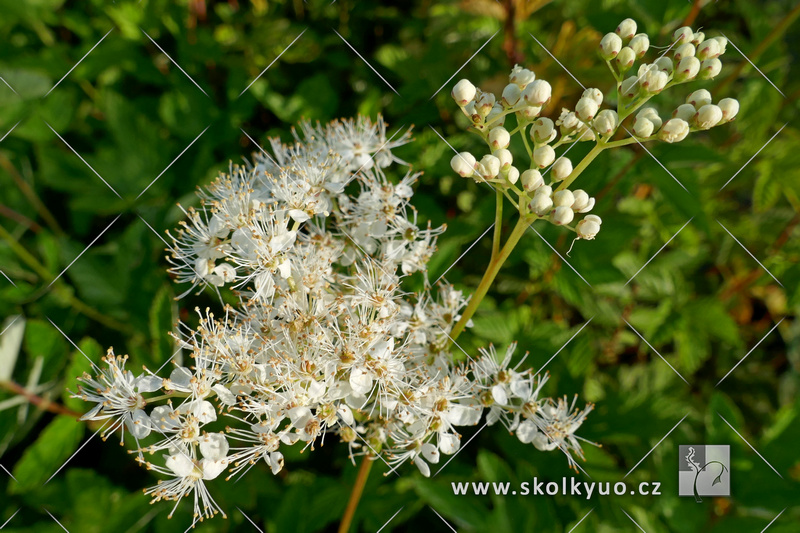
(315, 243)
(694, 57)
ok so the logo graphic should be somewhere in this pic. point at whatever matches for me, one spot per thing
(704, 470)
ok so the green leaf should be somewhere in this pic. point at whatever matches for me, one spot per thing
(88, 349)
(43, 340)
(162, 318)
(45, 456)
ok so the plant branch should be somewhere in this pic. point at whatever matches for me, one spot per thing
(355, 494)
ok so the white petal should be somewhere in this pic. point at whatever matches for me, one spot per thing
(212, 469)
(145, 383)
(543, 443)
(360, 381)
(346, 414)
(300, 416)
(138, 424)
(298, 215)
(462, 415)
(214, 446)
(163, 418)
(423, 466)
(224, 395)
(181, 377)
(499, 394)
(276, 462)
(527, 431)
(180, 464)
(449, 443)
(430, 452)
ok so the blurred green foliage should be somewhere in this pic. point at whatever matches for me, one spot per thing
(143, 126)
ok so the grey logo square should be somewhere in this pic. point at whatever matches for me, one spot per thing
(704, 470)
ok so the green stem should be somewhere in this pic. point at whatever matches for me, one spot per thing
(594, 152)
(498, 223)
(629, 140)
(488, 277)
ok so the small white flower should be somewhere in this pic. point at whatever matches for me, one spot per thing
(511, 94)
(463, 164)
(699, 98)
(541, 203)
(710, 68)
(688, 68)
(562, 168)
(683, 35)
(586, 109)
(543, 156)
(640, 44)
(543, 131)
(499, 138)
(521, 76)
(588, 227)
(610, 45)
(463, 92)
(729, 107)
(625, 59)
(562, 215)
(683, 51)
(708, 116)
(532, 180)
(675, 130)
(563, 198)
(537, 93)
(685, 112)
(594, 94)
(606, 122)
(708, 50)
(626, 28)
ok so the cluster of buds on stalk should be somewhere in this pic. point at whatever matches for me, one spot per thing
(539, 186)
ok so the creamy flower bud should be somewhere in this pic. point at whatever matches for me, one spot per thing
(512, 175)
(499, 138)
(606, 122)
(541, 204)
(586, 109)
(630, 87)
(543, 131)
(643, 127)
(640, 44)
(511, 94)
(675, 130)
(568, 122)
(722, 42)
(484, 104)
(594, 94)
(521, 76)
(626, 28)
(471, 112)
(537, 93)
(651, 114)
(563, 198)
(729, 107)
(582, 203)
(683, 35)
(562, 215)
(491, 166)
(610, 45)
(684, 50)
(463, 164)
(684, 112)
(562, 168)
(505, 158)
(687, 69)
(708, 116)
(698, 38)
(699, 98)
(463, 92)
(584, 133)
(496, 116)
(531, 180)
(530, 112)
(544, 155)
(625, 59)
(710, 68)
(654, 80)
(708, 50)
(588, 227)
(664, 64)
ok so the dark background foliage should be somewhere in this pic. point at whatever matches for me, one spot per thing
(141, 125)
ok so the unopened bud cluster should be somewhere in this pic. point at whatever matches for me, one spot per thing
(541, 183)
